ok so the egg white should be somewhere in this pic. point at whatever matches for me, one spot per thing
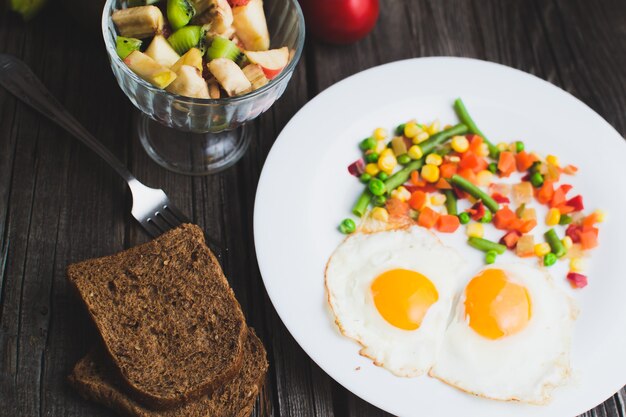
(525, 366)
(349, 274)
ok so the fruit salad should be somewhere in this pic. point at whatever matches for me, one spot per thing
(199, 48)
(456, 178)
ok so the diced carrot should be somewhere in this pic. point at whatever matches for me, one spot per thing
(510, 239)
(527, 225)
(588, 239)
(591, 219)
(469, 160)
(546, 192)
(524, 161)
(570, 170)
(468, 174)
(503, 218)
(416, 179)
(448, 223)
(482, 165)
(476, 143)
(558, 198)
(565, 209)
(427, 217)
(417, 200)
(442, 184)
(506, 164)
(397, 208)
(447, 170)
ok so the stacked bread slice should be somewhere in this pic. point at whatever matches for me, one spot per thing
(174, 338)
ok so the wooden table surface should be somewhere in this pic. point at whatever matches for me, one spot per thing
(59, 203)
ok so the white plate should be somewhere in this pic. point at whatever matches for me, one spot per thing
(305, 191)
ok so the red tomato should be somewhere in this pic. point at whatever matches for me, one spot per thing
(340, 21)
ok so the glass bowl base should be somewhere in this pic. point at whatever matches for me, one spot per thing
(192, 153)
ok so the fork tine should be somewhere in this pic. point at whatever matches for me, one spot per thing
(159, 224)
(149, 227)
(180, 217)
(168, 217)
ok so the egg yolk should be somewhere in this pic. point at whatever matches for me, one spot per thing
(403, 297)
(496, 307)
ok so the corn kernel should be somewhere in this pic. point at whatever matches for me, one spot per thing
(401, 194)
(415, 152)
(567, 242)
(380, 213)
(502, 146)
(372, 169)
(454, 159)
(387, 161)
(438, 199)
(381, 145)
(542, 249)
(484, 178)
(553, 217)
(430, 173)
(600, 215)
(380, 134)
(434, 127)
(552, 160)
(475, 230)
(576, 265)
(434, 159)
(421, 137)
(483, 150)
(411, 130)
(512, 147)
(460, 144)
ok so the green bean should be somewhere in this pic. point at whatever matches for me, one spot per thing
(486, 245)
(362, 203)
(471, 189)
(555, 243)
(451, 202)
(465, 118)
(427, 147)
(493, 167)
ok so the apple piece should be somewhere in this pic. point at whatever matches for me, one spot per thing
(189, 83)
(251, 26)
(254, 73)
(162, 52)
(192, 57)
(271, 62)
(230, 76)
(150, 70)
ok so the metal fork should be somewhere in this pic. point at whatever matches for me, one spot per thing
(151, 207)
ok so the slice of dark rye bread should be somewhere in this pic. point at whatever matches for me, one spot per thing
(234, 399)
(167, 316)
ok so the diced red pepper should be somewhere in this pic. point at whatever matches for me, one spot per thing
(499, 198)
(468, 174)
(577, 280)
(565, 209)
(477, 211)
(357, 168)
(526, 177)
(576, 202)
(510, 239)
(573, 231)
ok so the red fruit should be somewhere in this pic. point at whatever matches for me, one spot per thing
(340, 21)
(576, 203)
(235, 3)
(577, 280)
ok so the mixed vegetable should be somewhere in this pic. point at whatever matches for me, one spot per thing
(425, 174)
(202, 49)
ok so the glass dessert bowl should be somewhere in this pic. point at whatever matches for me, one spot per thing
(200, 136)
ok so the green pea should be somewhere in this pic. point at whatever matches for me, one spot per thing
(565, 219)
(376, 186)
(464, 217)
(490, 256)
(493, 167)
(404, 159)
(536, 180)
(365, 177)
(379, 200)
(347, 226)
(400, 129)
(549, 259)
(486, 217)
(372, 157)
(367, 144)
(519, 146)
(382, 175)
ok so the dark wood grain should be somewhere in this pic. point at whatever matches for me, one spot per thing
(59, 203)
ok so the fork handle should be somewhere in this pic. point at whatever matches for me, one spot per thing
(18, 79)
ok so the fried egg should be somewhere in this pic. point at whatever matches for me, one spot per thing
(392, 292)
(509, 336)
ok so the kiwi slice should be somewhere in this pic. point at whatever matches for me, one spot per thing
(179, 13)
(124, 46)
(185, 38)
(223, 48)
